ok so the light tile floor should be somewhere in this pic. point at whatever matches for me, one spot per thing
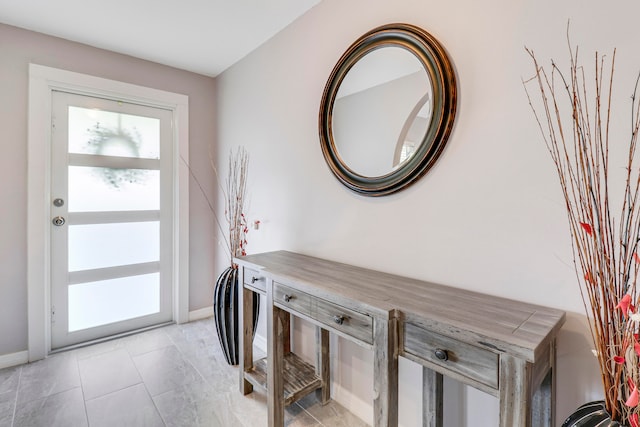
(171, 376)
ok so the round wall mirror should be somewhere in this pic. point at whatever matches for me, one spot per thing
(387, 109)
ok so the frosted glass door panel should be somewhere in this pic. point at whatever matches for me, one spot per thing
(93, 131)
(108, 301)
(93, 189)
(112, 181)
(109, 245)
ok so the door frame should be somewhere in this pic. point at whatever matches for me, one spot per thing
(42, 81)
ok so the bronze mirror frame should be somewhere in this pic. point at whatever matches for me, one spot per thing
(435, 61)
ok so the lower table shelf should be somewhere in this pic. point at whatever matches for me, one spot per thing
(300, 377)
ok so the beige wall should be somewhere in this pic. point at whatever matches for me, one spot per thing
(488, 217)
(17, 49)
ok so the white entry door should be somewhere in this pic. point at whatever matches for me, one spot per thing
(111, 225)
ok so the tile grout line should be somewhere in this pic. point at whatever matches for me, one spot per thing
(15, 400)
(310, 414)
(186, 359)
(190, 362)
(84, 401)
(144, 384)
(153, 400)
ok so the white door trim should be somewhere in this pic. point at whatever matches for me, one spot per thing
(42, 81)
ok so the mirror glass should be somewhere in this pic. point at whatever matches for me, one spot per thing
(382, 111)
(387, 109)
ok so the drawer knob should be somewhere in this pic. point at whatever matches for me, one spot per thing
(338, 319)
(441, 354)
(287, 297)
(254, 279)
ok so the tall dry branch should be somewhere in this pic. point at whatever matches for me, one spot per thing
(573, 113)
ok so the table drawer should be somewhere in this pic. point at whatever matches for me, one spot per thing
(334, 316)
(291, 298)
(465, 359)
(352, 323)
(254, 279)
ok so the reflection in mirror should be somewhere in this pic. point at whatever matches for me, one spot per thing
(414, 130)
(382, 111)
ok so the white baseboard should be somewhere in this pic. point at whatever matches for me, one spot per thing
(13, 359)
(202, 313)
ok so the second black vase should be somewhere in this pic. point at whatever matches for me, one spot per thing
(591, 414)
(225, 313)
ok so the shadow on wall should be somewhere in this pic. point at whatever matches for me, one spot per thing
(578, 376)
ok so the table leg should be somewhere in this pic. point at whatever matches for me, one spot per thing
(543, 402)
(552, 385)
(515, 392)
(322, 365)
(286, 328)
(245, 330)
(385, 373)
(277, 329)
(432, 388)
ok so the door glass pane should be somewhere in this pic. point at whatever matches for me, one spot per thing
(93, 189)
(108, 245)
(108, 301)
(93, 131)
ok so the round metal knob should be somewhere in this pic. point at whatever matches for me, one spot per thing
(254, 279)
(339, 319)
(287, 297)
(58, 221)
(441, 354)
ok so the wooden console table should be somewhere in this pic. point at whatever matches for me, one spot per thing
(503, 347)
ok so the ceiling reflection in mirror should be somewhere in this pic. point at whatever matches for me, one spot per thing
(387, 109)
(382, 111)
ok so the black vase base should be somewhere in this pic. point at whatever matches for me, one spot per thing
(592, 414)
(225, 313)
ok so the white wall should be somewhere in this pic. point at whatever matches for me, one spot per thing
(487, 217)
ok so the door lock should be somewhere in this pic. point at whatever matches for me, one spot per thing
(58, 221)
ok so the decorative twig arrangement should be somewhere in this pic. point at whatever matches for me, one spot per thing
(235, 193)
(605, 245)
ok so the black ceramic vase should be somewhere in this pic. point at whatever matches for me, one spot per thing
(591, 414)
(225, 313)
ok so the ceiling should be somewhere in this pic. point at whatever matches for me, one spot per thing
(203, 36)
